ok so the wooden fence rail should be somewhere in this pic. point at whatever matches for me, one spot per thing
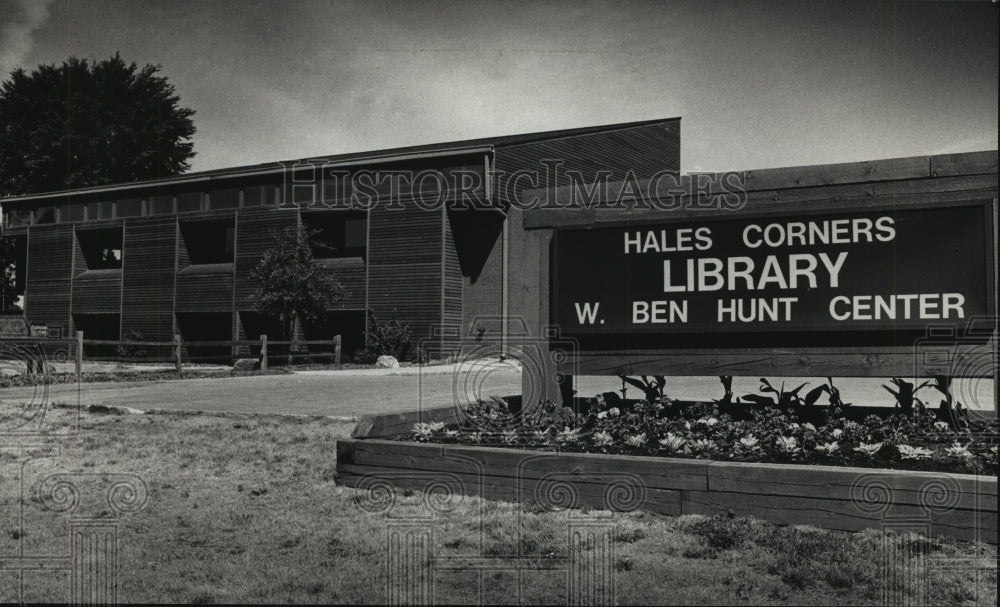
(177, 348)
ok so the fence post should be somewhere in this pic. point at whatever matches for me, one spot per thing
(177, 352)
(79, 355)
(336, 350)
(263, 352)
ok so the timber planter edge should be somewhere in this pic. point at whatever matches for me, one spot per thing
(961, 506)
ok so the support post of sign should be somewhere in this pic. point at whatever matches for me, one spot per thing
(539, 379)
(336, 350)
(566, 390)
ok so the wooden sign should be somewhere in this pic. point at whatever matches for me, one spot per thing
(879, 270)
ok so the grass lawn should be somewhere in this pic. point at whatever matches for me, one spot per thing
(244, 509)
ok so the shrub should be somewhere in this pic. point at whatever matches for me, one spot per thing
(389, 338)
(129, 351)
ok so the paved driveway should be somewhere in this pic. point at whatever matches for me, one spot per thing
(310, 393)
(352, 393)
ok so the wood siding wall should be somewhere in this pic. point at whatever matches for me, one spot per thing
(350, 273)
(98, 292)
(451, 322)
(404, 267)
(51, 254)
(644, 150)
(148, 279)
(211, 292)
(253, 237)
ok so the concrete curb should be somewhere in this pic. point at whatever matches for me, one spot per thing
(449, 369)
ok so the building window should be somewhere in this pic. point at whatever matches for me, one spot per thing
(74, 212)
(46, 215)
(99, 210)
(224, 199)
(338, 233)
(258, 195)
(209, 241)
(161, 205)
(129, 208)
(102, 248)
(187, 202)
(17, 217)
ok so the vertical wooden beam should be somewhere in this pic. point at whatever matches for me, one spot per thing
(442, 326)
(174, 325)
(121, 281)
(263, 352)
(234, 329)
(336, 349)
(79, 355)
(177, 353)
(538, 377)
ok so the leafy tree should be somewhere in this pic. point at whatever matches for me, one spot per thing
(83, 124)
(8, 290)
(292, 285)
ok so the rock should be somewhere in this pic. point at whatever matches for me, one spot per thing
(387, 362)
(246, 364)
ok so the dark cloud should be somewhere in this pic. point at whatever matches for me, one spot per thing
(758, 84)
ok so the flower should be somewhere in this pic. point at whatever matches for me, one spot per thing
(672, 442)
(510, 436)
(749, 441)
(568, 435)
(992, 453)
(451, 433)
(908, 452)
(602, 415)
(941, 426)
(828, 448)
(426, 429)
(708, 421)
(793, 426)
(788, 444)
(701, 446)
(636, 440)
(809, 427)
(614, 411)
(959, 451)
(603, 439)
(837, 433)
(869, 449)
(476, 437)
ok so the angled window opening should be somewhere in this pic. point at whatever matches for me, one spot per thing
(102, 248)
(209, 242)
(338, 233)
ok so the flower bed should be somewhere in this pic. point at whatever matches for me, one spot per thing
(919, 441)
(703, 462)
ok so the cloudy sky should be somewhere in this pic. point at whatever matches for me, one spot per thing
(758, 84)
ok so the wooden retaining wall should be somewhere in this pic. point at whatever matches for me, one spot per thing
(850, 499)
